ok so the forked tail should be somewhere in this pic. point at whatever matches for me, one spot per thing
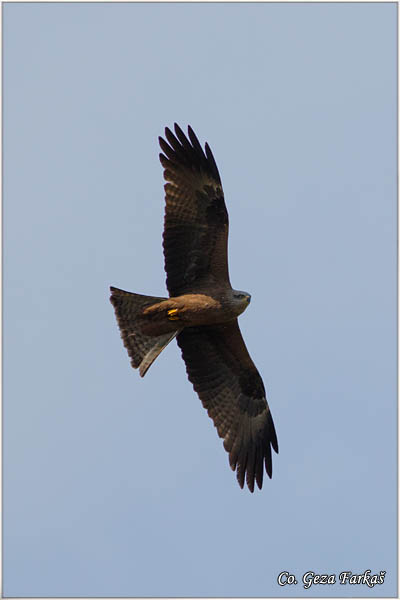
(142, 349)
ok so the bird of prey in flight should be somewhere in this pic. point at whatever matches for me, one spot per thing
(202, 309)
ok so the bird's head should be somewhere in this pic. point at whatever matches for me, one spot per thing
(242, 300)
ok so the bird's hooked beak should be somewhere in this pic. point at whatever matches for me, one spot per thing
(245, 301)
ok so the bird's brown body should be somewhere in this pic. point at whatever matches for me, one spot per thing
(190, 310)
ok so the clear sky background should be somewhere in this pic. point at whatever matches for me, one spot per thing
(119, 486)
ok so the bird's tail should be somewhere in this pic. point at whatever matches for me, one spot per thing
(143, 349)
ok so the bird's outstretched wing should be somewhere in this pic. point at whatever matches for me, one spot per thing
(231, 389)
(196, 219)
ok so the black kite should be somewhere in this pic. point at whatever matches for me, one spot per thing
(202, 309)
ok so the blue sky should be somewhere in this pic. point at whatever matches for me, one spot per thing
(118, 486)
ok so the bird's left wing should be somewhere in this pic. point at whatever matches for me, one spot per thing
(231, 389)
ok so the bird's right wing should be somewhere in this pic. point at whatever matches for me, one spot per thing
(231, 389)
(196, 219)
